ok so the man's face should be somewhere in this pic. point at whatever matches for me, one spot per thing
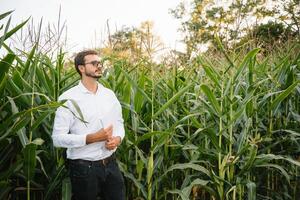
(92, 66)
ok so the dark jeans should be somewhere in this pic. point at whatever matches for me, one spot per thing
(92, 179)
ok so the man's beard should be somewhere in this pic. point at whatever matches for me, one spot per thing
(93, 75)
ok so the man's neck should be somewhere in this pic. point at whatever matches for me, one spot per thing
(90, 84)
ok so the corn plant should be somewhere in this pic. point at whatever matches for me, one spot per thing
(30, 85)
(207, 128)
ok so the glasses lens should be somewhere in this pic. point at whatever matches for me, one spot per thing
(96, 63)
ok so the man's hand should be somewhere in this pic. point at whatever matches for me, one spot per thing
(103, 134)
(106, 133)
(113, 143)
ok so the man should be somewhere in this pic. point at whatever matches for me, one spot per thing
(93, 139)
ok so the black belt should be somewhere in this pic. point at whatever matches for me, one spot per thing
(103, 161)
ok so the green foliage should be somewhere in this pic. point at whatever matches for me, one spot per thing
(233, 22)
(272, 32)
(217, 127)
(212, 134)
(29, 87)
(133, 44)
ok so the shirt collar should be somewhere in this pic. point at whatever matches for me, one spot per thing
(85, 90)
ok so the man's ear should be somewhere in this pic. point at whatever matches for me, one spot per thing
(81, 68)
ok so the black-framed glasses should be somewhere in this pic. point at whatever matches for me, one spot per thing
(95, 63)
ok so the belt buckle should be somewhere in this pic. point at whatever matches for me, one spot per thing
(105, 161)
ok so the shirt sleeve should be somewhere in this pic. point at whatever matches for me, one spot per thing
(64, 119)
(118, 126)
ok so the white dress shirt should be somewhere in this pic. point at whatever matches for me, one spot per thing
(99, 110)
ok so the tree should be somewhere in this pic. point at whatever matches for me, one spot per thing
(134, 43)
(288, 12)
(273, 32)
(202, 20)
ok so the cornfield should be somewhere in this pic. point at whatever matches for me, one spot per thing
(218, 127)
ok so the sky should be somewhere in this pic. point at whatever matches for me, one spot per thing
(86, 20)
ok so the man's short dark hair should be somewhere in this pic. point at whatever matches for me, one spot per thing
(79, 58)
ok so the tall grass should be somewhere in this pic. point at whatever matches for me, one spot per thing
(222, 127)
